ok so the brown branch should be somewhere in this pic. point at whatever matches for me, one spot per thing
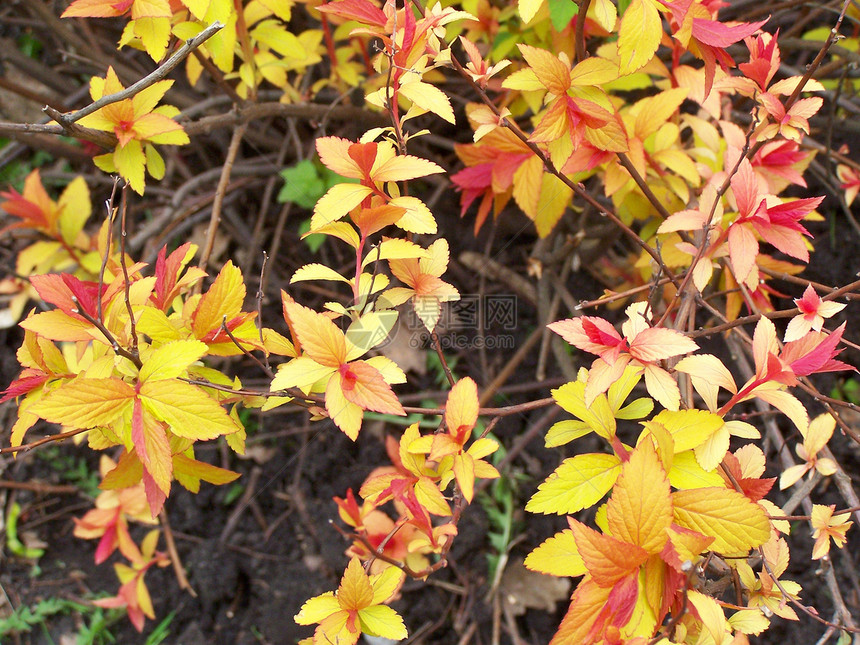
(123, 233)
(35, 444)
(265, 368)
(109, 337)
(104, 139)
(174, 555)
(437, 345)
(220, 192)
(66, 119)
(579, 33)
(310, 111)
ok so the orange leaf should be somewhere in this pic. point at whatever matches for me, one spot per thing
(319, 337)
(640, 509)
(461, 410)
(550, 70)
(606, 559)
(585, 605)
(363, 385)
(150, 443)
(223, 299)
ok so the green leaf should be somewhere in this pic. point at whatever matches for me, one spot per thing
(314, 240)
(561, 12)
(303, 185)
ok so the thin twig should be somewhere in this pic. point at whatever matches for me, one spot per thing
(220, 191)
(579, 34)
(109, 337)
(111, 213)
(158, 74)
(174, 555)
(123, 233)
(268, 370)
(35, 444)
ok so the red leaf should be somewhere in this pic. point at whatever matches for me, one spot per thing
(24, 384)
(718, 34)
(359, 10)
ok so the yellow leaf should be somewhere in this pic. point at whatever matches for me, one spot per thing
(430, 98)
(554, 199)
(75, 208)
(130, 162)
(86, 402)
(281, 9)
(640, 509)
(749, 621)
(818, 434)
(464, 471)
(142, 8)
(598, 416)
(710, 453)
(687, 473)
(154, 33)
(785, 403)
(301, 372)
(171, 360)
(662, 387)
(736, 523)
(656, 110)
(319, 336)
(198, 8)
(430, 497)
(686, 545)
(315, 271)
(553, 73)
(689, 428)
(155, 324)
(708, 375)
(273, 34)
(563, 432)
(393, 249)
(342, 231)
(579, 482)
(557, 556)
(188, 410)
(404, 168)
(337, 202)
(223, 299)
(527, 185)
(639, 35)
(528, 9)
(345, 414)
(461, 409)
(593, 71)
(57, 325)
(710, 613)
(524, 80)
(154, 162)
(417, 218)
(604, 13)
(189, 472)
(382, 621)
